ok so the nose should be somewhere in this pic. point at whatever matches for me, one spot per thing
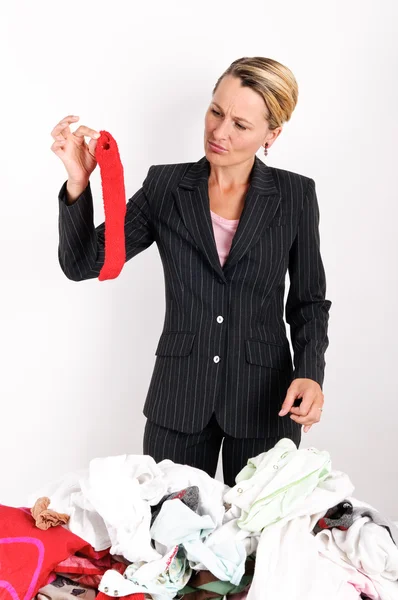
(221, 132)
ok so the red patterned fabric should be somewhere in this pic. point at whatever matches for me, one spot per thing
(28, 555)
(89, 571)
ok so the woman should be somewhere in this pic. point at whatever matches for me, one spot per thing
(228, 229)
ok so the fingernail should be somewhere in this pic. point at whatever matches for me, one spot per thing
(97, 135)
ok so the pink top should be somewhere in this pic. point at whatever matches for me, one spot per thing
(224, 231)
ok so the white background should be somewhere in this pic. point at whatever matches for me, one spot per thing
(76, 358)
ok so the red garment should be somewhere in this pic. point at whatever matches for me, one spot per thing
(89, 571)
(28, 555)
(114, 196)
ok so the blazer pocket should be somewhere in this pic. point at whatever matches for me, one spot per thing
(175, 343)
(270, 355)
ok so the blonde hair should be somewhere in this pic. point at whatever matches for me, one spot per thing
(274, 82)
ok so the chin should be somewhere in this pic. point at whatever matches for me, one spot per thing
(215, 158)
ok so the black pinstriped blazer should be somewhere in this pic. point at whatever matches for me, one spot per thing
(223, 347)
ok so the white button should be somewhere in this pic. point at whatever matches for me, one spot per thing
(220, 319)
(216, 359)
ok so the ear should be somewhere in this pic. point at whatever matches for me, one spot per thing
(272, 135)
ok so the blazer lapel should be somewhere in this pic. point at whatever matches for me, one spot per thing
(192, 199)
(261, 203)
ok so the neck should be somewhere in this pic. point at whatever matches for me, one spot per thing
(231, 176)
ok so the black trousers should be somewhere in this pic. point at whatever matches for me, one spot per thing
(202, 449)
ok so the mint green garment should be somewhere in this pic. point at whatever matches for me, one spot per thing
(274, 483)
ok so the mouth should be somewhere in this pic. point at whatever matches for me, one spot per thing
(216, 146)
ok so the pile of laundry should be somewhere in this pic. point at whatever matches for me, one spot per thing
(131, 528)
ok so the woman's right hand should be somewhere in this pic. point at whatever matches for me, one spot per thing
(77, 156)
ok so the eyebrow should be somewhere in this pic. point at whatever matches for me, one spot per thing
(239, 118)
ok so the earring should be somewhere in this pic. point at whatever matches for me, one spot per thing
(265, 149)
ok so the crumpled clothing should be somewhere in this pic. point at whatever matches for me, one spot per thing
(109, 504)
(282, 543)
(379, 589)
(279, 498)
(178, 524)
(204, 584)
(378, 519)
(166, 576)
(238, 596)
(89, 571)
(344, 514)
(160, 578)
(189, 496)
(66, 496)
(340, 516)
(288, 566)
(226, 561)
(121, 490)
(359, 581)
(229, 536)
(212, 491)
(366, 546)
(64, 589)
(272, 484)
(46, 518)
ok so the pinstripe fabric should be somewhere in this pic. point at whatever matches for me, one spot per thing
(198, 450)
(201, 449)
(278, 232)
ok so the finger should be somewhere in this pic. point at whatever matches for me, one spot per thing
(92, 147)
(84, 131)
(308, 400)
(315, 413)
(58, 147)
(289, 401)
(314, 416)
(307, 428)
(62, 126)
(295, 410)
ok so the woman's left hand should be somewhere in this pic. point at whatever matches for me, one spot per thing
(310, 409)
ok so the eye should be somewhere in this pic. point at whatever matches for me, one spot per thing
(215, 112)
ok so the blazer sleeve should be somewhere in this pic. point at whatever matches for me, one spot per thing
(81, 248)
(307, 310)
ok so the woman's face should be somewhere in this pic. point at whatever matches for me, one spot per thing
(235, 120)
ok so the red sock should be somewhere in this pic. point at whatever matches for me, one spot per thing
(114, 195)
